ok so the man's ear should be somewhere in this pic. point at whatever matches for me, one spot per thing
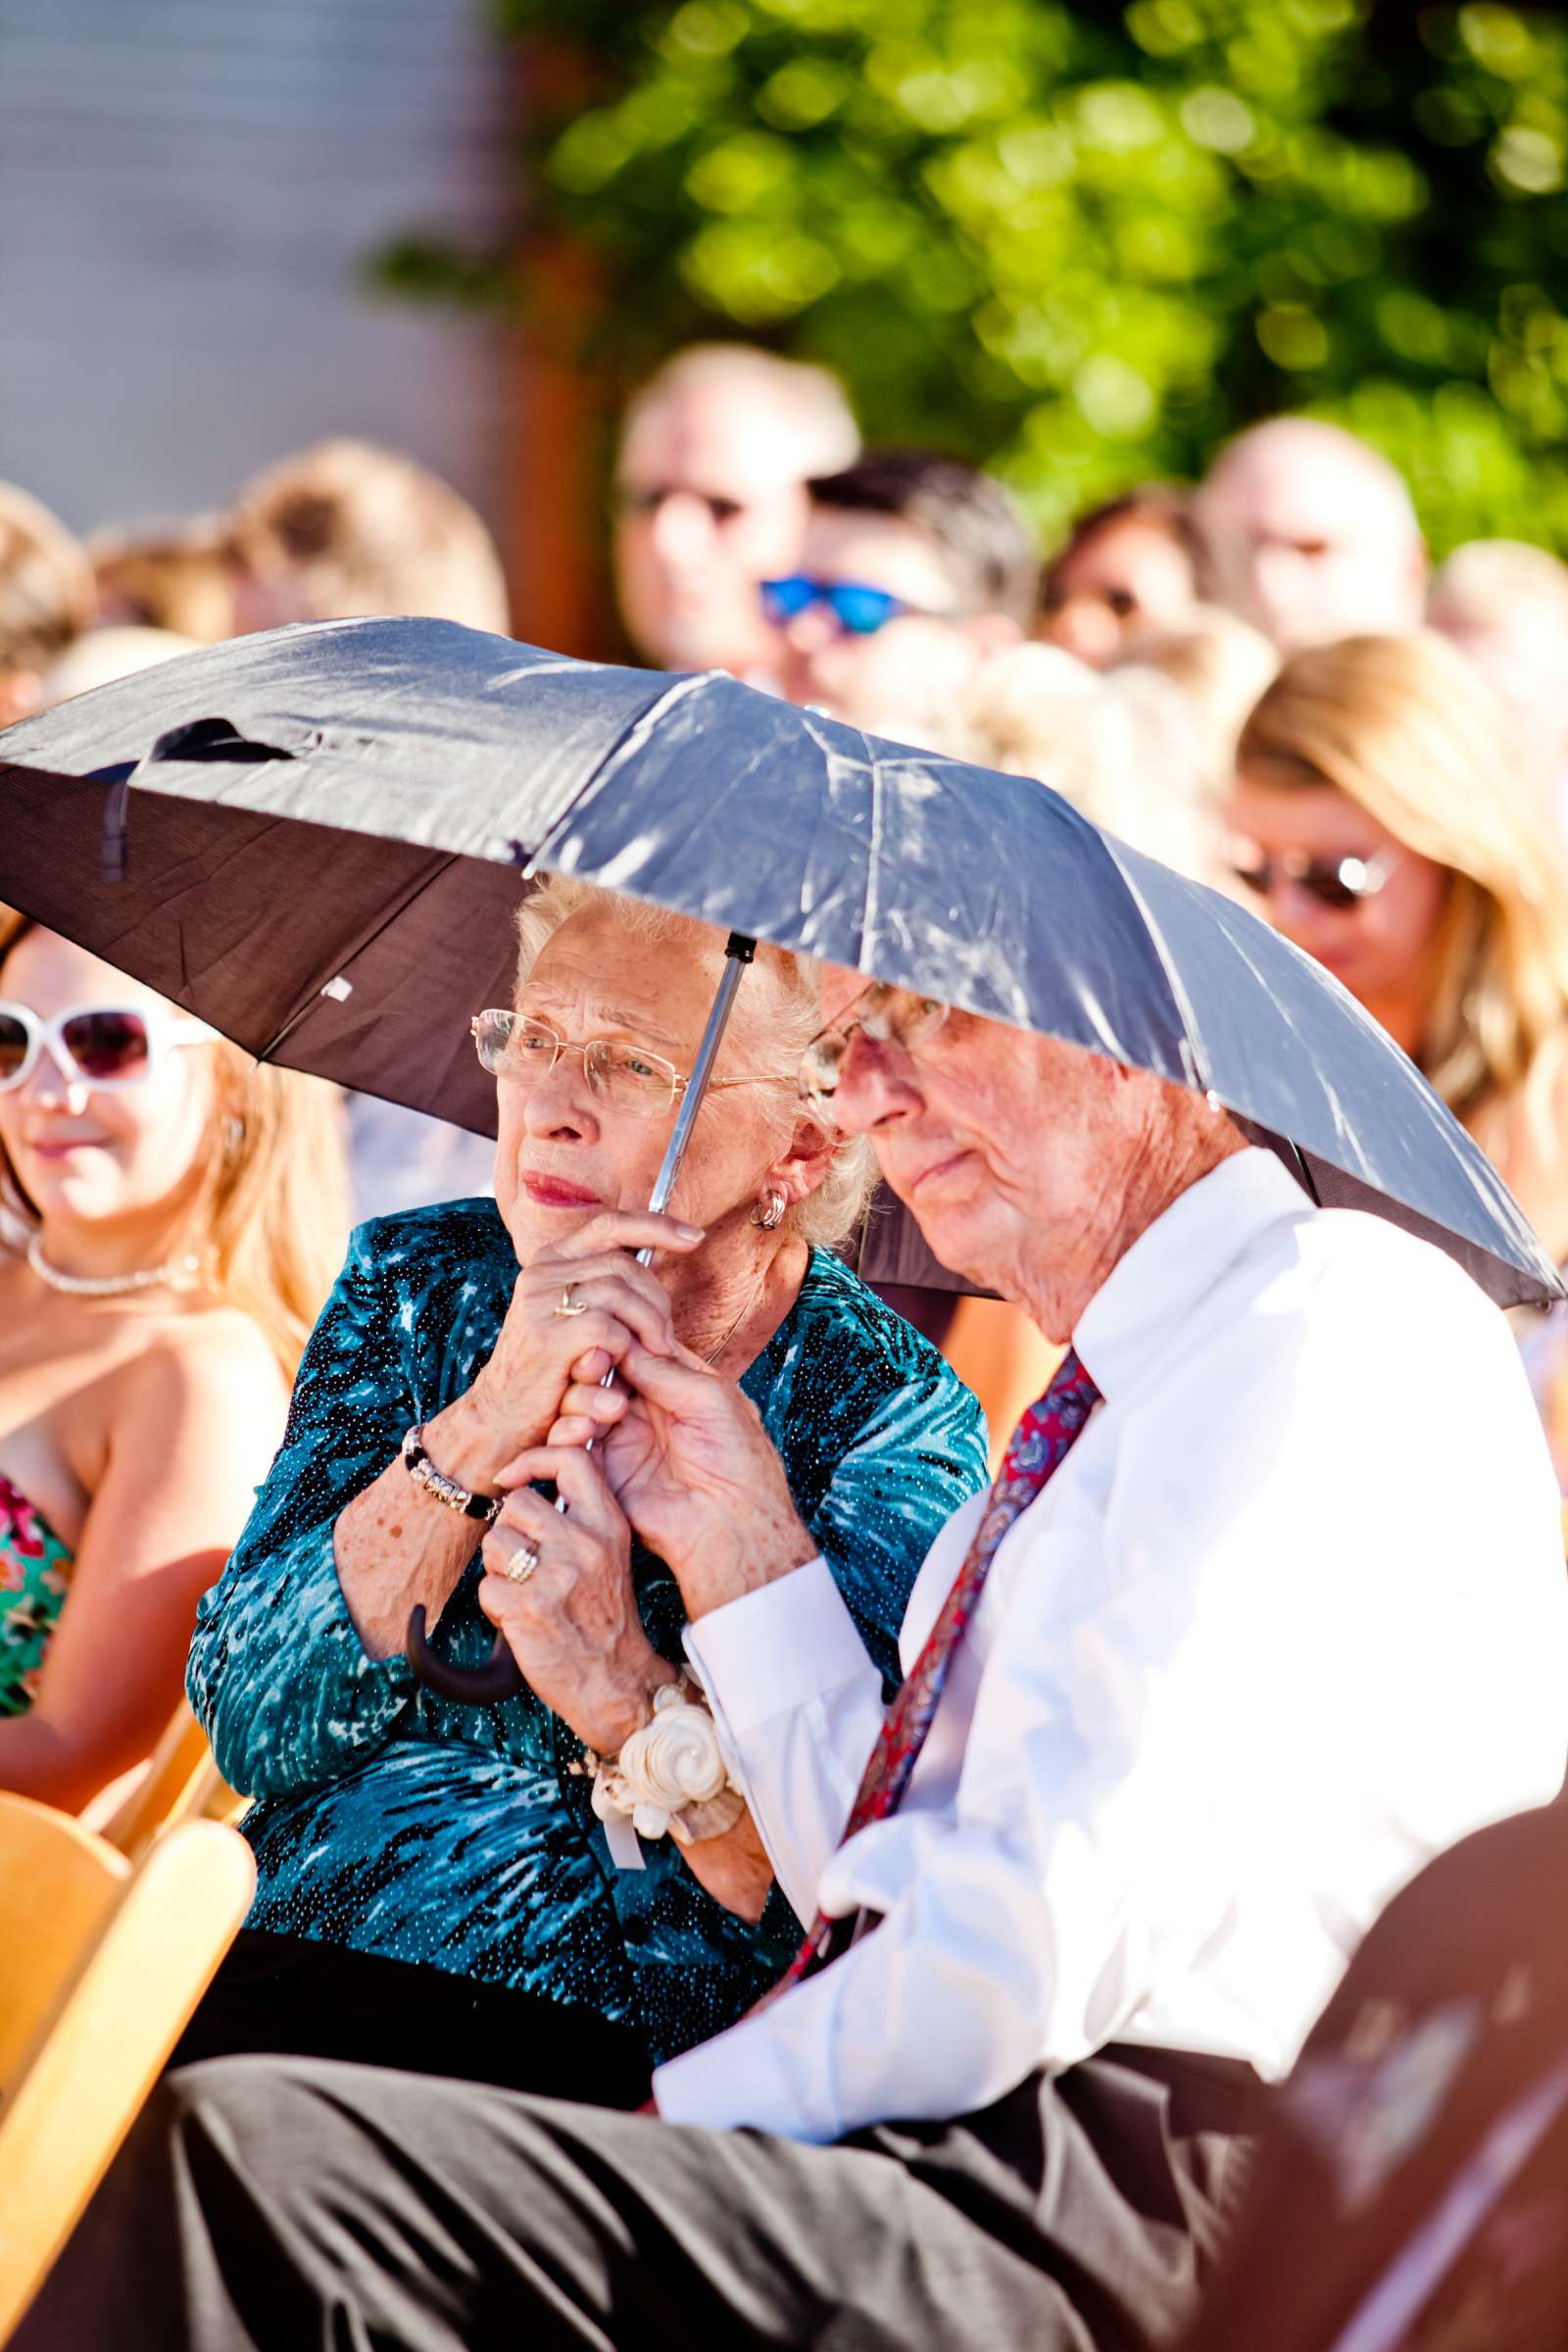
(992, 632)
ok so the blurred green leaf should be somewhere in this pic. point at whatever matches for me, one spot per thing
(1081, 241)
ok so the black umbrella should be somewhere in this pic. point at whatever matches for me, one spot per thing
(322, 829)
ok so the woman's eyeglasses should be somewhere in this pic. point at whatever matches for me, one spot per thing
(103, 1046)
(859, 611)
(514, 1044)
(1338, 882)
(886, 1015)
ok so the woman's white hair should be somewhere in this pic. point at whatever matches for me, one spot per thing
(779, 1020)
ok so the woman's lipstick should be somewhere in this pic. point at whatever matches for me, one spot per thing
(553, 1191)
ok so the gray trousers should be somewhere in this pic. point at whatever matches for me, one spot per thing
(292, 2205)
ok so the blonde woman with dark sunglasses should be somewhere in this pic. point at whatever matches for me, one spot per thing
(1383, 822)
(171, 1217)
(559, 1887)
(1384, 819)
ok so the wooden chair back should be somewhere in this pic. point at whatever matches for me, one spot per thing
(101, 1964)
(180, 1783)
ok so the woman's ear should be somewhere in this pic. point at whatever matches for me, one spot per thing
(800, 1167)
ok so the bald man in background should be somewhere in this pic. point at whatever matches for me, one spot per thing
(714, 456)
(1311, 535)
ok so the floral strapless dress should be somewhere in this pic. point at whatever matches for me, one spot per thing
(32, 1589)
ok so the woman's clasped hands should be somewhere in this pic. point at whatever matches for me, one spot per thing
(576, 1309)
(678, 1453)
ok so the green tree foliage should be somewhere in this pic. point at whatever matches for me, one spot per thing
(1085, 241)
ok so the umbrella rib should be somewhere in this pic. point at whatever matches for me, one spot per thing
(873, 916)
(1203, 1074)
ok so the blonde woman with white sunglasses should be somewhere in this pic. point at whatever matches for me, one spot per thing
(172, 1219)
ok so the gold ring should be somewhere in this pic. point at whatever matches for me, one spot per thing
(570, 1305)
(521, 1564)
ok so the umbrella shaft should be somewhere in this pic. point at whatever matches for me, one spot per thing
(737, 954)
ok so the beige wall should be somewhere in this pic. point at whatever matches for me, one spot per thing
(188, 191)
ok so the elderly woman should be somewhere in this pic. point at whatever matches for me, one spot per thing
(454, 1886)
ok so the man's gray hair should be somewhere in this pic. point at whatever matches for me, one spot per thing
(781, 1021)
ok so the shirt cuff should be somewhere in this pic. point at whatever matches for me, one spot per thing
(778, 1647)
(737, 2081)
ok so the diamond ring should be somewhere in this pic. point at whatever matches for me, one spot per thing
(567, 1304)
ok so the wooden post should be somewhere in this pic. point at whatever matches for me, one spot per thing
(562, 420)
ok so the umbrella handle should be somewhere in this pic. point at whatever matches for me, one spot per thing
(486, 1686)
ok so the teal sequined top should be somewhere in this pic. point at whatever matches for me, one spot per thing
(395, 1822)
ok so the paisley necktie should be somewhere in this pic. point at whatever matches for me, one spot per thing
(1039, 1446)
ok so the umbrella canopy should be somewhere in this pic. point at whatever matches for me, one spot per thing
(324, 827)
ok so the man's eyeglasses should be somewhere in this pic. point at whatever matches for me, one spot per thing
(890, 1016)
(859, 609)
(93, 1045)
(514, 1044)
(646, 502)
(1337, 882)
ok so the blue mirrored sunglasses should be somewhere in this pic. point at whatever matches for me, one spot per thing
(859, 609)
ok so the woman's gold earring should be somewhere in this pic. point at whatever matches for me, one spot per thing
(769, 1211)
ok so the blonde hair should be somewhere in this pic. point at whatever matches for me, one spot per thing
(1410, 729)
(1221, 665)
(104, 655)
(1122, 746)
(783, 1024)
(46, 584)
(271, 1216)
(369, 531)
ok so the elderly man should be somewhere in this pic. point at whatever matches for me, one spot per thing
(1266, 1606)
(710, 498)
(1311, 535)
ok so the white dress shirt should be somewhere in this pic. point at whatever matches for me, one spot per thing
(1291, 1617)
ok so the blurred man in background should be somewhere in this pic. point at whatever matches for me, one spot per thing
(1506, 606)
(711, 497)
(46, 597)
(1311, 535)
(345, 528)
(915, 567)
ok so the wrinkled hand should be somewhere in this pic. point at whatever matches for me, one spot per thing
(540, 1352)
(574, 1627)
(693, 1469)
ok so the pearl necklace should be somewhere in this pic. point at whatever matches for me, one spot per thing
(108, 1285)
